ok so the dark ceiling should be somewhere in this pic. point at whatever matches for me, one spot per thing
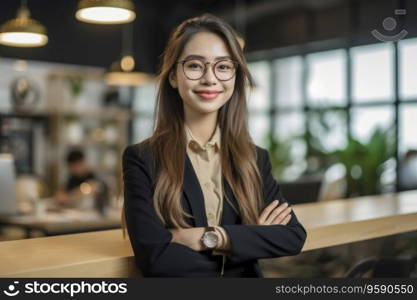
(265, 23)
(75, 42)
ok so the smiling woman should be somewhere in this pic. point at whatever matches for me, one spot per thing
(199, 194)
(196, 82)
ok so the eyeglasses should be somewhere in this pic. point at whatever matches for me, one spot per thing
(194, 69)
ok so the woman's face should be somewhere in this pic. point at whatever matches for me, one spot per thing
(207, 94)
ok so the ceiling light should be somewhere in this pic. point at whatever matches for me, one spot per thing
(106, 11)
(120, 73)
(127, 63)
(23, 31)
(123, 71)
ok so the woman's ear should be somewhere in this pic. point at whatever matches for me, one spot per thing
(173, 79)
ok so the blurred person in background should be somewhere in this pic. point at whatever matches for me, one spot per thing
(83, 188)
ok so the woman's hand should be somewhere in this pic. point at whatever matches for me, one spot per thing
(275, 214)
(189, 237)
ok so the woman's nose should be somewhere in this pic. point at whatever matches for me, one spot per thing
(209, 77)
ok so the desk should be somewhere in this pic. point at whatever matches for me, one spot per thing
(107, 254)
(64, 222)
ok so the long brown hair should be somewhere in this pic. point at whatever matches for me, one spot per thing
(168, 142)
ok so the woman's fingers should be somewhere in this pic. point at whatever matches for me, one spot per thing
(267, 210)
(286, 220)
(275, 213)
(281, 218)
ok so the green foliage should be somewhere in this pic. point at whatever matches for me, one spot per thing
(321, 121)
(363, 161)
(76, 84)
(280, 154)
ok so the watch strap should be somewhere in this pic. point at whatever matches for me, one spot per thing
(209, 228)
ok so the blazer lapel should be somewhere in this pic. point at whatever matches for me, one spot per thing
(194, 194)
(230, 206)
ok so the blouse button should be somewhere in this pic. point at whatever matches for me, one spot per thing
(207, 184)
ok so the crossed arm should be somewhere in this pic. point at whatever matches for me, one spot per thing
(170, 253)
(273, 214)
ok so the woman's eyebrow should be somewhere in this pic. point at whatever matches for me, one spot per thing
(194, 56)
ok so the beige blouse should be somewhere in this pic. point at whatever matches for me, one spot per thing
(207, 165)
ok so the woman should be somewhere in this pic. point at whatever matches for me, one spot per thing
(199, 195)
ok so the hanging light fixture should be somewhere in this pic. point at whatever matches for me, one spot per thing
(122, 72)
(106, 11)
(23, 31)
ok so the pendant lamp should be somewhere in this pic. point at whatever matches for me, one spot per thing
(106, 11)
(120, 75)
(23, 31)
(122, 72)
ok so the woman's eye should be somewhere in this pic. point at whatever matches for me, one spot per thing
(224, 67)
(194, 66)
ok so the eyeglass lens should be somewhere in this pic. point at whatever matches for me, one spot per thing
(195, 69)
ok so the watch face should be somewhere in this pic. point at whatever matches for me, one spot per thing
(210, 239)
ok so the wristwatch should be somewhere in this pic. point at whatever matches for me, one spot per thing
(210, 239)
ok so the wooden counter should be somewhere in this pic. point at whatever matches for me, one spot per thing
(344, 221)
(106, 254)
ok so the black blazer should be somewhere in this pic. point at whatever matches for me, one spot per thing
(156, 256)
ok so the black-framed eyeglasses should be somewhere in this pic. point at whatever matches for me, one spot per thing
(194, 69)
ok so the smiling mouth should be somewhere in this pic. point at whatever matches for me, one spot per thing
(209, 95)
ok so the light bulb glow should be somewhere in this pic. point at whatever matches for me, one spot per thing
(86, 188)
(23, 39)
(105, 15)
(127, 63)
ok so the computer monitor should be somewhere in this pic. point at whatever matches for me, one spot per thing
(8, 205)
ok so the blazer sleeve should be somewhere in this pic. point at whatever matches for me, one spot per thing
(250, 242)
(155, 255)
